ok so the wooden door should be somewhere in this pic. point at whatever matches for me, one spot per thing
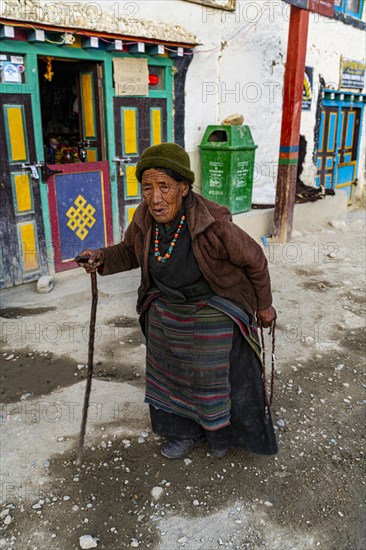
(346, 160)
(339, 137)
(139, 123)
(327, 147)
(23, 249)
(79, 194)
(80, 210)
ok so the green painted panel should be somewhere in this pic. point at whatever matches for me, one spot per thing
(32, 64)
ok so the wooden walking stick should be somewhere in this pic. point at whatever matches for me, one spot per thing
(93, 314)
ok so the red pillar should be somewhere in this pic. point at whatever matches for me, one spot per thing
(291, 118)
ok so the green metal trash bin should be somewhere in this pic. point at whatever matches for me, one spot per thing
(228, 154)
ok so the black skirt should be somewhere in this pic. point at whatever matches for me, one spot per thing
(251, 426)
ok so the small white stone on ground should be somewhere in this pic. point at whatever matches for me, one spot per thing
(196, 502)
(187, 461)
(8, 519)
(182, 540)
(80, 366)
(10, 357)
(156, 492)
(4, 513)
(141, 440)
(44, 284)
(87, 541)
(341, 515)
(267, 503)
(37, 506)
(25, 396)
(135, 543)
(145, 434)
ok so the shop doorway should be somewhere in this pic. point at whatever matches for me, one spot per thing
(76, 169)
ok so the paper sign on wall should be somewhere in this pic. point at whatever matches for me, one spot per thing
(307, 91)
(131, 76)
(352, 73)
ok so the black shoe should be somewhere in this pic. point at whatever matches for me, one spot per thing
(178, 448)
(219, 453)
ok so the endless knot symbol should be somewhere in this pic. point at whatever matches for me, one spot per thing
(81, 217)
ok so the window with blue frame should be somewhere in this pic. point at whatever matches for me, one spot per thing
(350, 7)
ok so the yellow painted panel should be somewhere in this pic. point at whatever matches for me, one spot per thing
(156, 126)
(17, 136)
(130, 132)
(77, 43)
(91, 155)
(23, 192)
(28, 239)
(130, 213)
(87, 94)
(132, 185)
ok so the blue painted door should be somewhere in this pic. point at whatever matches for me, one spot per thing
(339, 138)
(348, 140)
(327, 147)
(80, 210)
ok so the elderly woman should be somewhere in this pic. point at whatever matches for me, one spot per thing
(204, 287)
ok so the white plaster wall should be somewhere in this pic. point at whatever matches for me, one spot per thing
(239, 67)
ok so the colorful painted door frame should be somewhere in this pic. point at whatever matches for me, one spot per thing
(80, 207)
(23, 250)
(31, 52)
(140, 122)
(340, 140)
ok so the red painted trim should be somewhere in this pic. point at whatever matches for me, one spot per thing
(323, 7)
(291, 119)
(52, 204)
(294, 77)
(102, 166)
(289, 155)
(107, 202)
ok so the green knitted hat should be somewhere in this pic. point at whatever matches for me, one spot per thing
(166, 155)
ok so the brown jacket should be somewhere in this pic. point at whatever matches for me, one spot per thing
(230, 260)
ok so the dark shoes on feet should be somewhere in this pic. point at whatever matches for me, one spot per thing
(219, 453)
(178, 448)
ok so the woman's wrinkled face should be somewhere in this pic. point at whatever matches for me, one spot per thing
(163, 195)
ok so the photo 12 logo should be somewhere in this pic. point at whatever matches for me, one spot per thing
(71, 13)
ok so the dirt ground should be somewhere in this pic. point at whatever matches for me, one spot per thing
(125, 494)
